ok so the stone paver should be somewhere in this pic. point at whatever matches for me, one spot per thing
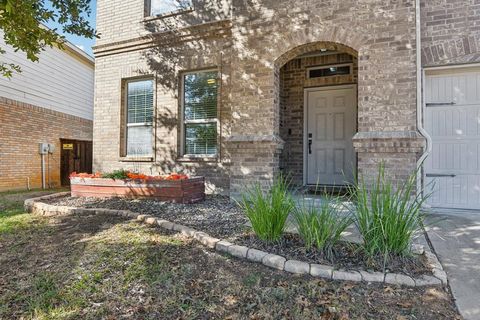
(298, 267)
(238, 251)
(372, 276)
(222, 246)
(346, 275)
(256, 255)
(319, 270)
(399, 279)
(274, 261)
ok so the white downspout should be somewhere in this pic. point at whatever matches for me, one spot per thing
(420, 100)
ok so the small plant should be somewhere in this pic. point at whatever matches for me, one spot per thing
(387, 216)
(117, 174)
(321, 226)
(268, 211)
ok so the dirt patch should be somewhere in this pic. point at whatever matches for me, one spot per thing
(345, 255)
(217, 215)
(105, 267)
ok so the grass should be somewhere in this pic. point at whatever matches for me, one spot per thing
(268, 211)
(103, 267)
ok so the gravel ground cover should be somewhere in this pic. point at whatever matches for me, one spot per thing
(217, 215)
(220, 217)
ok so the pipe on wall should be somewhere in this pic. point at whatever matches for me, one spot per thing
(420, 100)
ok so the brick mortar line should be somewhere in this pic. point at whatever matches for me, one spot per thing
(270, 260)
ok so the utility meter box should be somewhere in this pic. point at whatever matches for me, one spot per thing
(51, 148)
(43, 148)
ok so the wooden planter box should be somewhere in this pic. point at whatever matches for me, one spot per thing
(179, 191)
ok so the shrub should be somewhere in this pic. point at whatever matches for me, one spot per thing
(388, 216)
(268, 211)
(117, 174)
(321, 226)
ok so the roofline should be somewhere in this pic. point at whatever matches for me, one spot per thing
(73, 49)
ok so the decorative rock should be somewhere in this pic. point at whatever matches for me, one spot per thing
(297, 267)
(274, 261)
(432, 260)
(256, 255)
(418, 249)
(151, 220)
(427, 281)
(142, 217)
(399, 279)
(222, 246)
(206, 240)
(165, 224)
(184, 230)
(346, 275)
(238, 251)
(132, 215)
(441, 275)
(320, 270)
(372, 276)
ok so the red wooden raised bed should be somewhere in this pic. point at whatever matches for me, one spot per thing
(189, 190)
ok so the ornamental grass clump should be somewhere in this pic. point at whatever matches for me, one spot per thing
(321, 226)
(268, 210)
(388, 216)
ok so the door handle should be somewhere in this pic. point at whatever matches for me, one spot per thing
(309, 146)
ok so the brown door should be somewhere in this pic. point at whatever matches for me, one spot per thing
(76, 157)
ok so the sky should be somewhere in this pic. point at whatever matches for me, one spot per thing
(81, 42)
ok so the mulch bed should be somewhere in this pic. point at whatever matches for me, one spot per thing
(345, 255)
(220, 217)
(217, 215)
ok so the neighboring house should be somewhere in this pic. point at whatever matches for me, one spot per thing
(238, 91)
(49, 102)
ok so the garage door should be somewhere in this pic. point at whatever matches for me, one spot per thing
(452, 118)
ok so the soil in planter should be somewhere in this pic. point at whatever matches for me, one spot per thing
(346, 255)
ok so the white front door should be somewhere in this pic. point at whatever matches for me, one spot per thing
(330, 124)
(452, 118)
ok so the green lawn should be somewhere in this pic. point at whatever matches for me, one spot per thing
(106, 267)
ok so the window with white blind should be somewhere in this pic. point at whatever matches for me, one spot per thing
(200, 120)
(162, 7)
(139, 112)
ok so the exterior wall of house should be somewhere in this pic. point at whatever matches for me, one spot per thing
(61, 80)
(450, 32)
(250, 44)
(293, 81)
(23, 126)
(49, 100)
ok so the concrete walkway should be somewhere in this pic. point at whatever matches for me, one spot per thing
(455, 236)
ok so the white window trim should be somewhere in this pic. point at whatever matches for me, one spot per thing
(183, 122)
(330, 66)
(139, 124)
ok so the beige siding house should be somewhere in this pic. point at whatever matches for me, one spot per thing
(238, 91)
(50, 102)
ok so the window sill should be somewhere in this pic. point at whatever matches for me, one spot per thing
(168, 14)
(136, 159)
(198, 159)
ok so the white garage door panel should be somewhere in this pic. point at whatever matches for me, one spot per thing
(452, 119)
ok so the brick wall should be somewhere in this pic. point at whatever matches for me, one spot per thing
(450, 32)
(250, 47)
(23, 127)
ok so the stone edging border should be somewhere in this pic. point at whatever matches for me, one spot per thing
(274, 261)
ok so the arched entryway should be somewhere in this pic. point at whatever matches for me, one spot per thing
(318, 113)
